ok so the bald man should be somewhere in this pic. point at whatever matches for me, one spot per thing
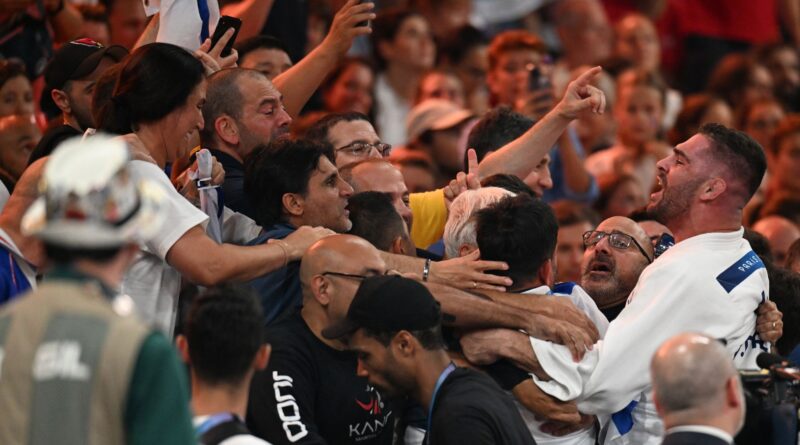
(18, 274)
(610, 270)
(780, 233)
(379, 175)
(310, 392)
(18, 137)
(697, 391)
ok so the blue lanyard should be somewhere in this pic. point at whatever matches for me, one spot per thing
(442, 377)
(213, 421)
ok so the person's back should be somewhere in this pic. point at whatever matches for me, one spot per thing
(471, 408)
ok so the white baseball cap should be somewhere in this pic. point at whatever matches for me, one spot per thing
(434, 114)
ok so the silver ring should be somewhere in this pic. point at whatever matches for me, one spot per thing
(475, 286)
(774, 324)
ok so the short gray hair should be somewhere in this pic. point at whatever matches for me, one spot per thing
(689, 373)
(460, 226)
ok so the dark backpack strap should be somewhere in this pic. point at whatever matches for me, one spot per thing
(224, 430)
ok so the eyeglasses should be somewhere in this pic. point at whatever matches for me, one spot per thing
(346, 275)
(617, 240)
(362, 149)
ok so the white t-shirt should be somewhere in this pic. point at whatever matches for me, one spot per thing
(239, 439)
(585, 303)
(151, 282)
(710, 283)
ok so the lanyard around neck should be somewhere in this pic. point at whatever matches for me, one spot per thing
(442, 377)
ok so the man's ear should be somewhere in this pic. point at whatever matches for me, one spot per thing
(733, 392)
(712, 188)
(404, 344)
(293, 204)
(262, 357)
(62, 100)
(466, 249)
(227, 130)
(397, 246)
(547, 273)
(183, 348)
(320, 289)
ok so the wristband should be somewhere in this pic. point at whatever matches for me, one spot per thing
(426, 270)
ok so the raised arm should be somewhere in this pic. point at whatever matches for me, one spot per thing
(521, 155)
(299, 82)
(253, 14)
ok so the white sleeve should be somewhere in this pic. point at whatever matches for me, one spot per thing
(180, 214)
(666, 301)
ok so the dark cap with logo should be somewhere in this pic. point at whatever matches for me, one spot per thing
(388, 303)
(72, 61)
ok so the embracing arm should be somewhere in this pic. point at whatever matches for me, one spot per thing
(204, 262)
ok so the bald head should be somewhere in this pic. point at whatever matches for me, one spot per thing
(610, 273)
(340, 254)
(693, 377)
(780, 233)
(379, 175)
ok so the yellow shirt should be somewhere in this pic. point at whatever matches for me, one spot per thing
(430, 216)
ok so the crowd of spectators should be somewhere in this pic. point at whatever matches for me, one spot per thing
(394, 222)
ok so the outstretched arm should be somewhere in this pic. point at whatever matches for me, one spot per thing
(521, 155)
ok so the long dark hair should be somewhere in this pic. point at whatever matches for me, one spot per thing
(153, 81)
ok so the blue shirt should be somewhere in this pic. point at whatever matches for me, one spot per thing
(12, 280)
(279, 290)
(560, 188)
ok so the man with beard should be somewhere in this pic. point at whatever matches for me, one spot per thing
(70, 78)
(394, 325)
(616, 254)
(243, 110)
(709, 282)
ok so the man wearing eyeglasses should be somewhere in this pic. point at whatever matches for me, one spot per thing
(616, 254)
(310, 392)
(709, 282)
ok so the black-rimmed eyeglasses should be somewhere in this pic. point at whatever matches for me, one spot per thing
(362, 149)
(617, 240)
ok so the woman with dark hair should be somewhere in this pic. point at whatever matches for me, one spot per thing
(404, 49)
(16, 93)
(157, 100)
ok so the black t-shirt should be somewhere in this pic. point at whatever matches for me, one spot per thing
(310, 393)
(471, 409)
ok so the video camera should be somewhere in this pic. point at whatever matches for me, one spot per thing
(772, 395)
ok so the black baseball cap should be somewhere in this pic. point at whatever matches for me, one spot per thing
(388, 303)
(72, 61)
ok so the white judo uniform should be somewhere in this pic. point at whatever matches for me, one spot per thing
(710, 283)
(585, 303)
